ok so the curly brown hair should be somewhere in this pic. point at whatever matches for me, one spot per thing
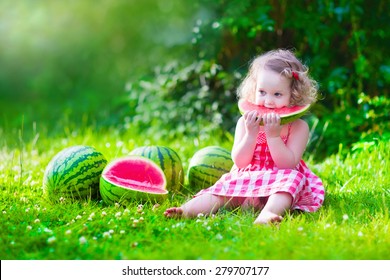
(303, 87)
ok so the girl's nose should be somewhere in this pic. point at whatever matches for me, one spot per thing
(269, 102)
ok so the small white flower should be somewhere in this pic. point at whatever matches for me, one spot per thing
(27, 210)
(48, 230)
(117, 205)
(29, 228)
(126, 211)
(106, 234)
(37, 221)
(300, 229)
(122, 232)
(200, 215)
(78, 217)
(51, 240)
(4, 212)
(118, 214)
(215, 25)
(111, 231)
(345, 217)
(68, 232)
(219, 236)
(104, 213)
(327, 226)
(82, 240)
(360, 233)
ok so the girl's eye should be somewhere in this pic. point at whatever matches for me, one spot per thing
(262, 92)
(278, 94)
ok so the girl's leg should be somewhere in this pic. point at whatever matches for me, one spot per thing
(275, 207)
(204, 204)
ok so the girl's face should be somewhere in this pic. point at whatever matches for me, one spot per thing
(272, 90)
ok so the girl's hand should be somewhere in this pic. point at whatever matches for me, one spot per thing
(272, 125)
(252, 123)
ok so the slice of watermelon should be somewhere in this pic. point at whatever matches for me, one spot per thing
(132, 178)
(287, 114)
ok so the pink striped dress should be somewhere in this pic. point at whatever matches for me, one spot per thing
(261, 178)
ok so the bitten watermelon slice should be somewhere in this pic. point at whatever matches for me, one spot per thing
(132, 178)
(287, 114)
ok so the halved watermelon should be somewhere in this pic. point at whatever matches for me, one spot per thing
(132, 178)
(287, 114)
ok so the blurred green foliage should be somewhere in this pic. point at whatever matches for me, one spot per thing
(74, 57)
(172, 67)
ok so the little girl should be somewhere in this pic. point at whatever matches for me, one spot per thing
(268, 173)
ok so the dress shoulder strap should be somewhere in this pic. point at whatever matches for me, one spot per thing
(289, 129)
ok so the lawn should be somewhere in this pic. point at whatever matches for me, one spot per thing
(352, 224)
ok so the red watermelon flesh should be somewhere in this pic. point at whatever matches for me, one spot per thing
(137, 174)
(287, 114)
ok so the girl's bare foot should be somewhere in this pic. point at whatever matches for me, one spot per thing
(173, 212)
(267, 217)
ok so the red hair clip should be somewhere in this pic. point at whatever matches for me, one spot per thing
(295, 75)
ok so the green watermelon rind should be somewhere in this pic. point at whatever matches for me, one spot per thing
(207, 166)
(296, 111)
(74, 173)
(168, 160)
(112, 193)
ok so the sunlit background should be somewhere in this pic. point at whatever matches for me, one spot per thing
(78, 52)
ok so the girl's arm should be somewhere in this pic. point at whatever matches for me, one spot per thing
(287, 156)
(245, 139)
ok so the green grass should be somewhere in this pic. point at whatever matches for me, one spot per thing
(352, 224)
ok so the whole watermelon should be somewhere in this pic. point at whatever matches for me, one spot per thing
(208, 165)
(74, 173)
(168, 160)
